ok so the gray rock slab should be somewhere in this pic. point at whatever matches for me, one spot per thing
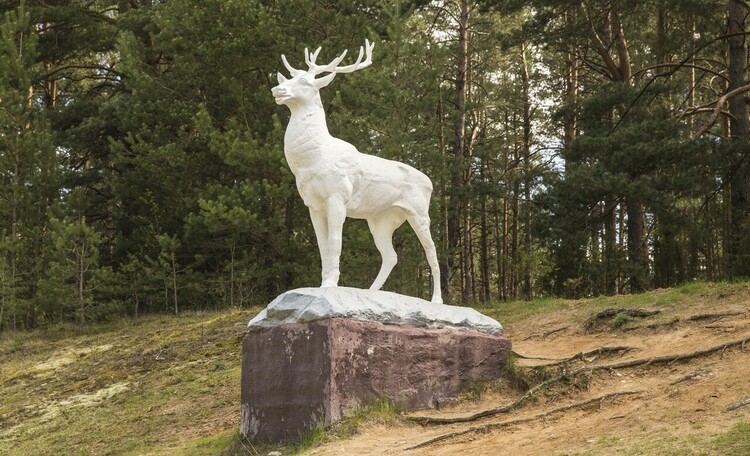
(310, 304)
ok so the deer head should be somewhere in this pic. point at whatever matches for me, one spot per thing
(303, 88)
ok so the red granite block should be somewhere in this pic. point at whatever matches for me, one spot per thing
(301, 375)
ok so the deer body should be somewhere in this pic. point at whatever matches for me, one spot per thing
(336, 181)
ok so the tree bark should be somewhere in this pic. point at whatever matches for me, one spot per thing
(458, 210)
(691, 93)
(527, 244)
(637, 247)
(484, 255)
(739, 130)
(81, 260)
(446, 256)
(174, 280)
(610, 245)
(739, 125)
(609, 42)
(570, 128)
(515, 211)
(231, 274)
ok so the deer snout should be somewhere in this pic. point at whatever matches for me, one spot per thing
(280, 94)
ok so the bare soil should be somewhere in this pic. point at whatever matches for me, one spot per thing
(674, 408)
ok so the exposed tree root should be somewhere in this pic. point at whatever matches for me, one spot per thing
(578, 356)
(666, 324)
(544, 334)
(424, 420)
(522, 356)
(690, 376)
(709, 317)
(725, 328)
(668, 359)
(612, 313)
(491, 426)
(714, 316)
(738, 405)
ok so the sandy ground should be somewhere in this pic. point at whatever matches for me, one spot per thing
(678, 409)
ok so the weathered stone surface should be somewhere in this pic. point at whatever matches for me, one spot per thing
(310, 304)
(298, 375)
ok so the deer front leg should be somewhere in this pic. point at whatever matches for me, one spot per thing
(320, 224)
(336, 212)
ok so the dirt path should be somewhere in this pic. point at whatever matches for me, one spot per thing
(672, 408)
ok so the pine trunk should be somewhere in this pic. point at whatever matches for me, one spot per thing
(637, 249)
(458, 211)
(174, 282)
(570, 128)
(484, 254)
(527, 244)
(610, 246)
(739, 130)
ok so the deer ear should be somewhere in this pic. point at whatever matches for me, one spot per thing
(280, 77)
(324, 81)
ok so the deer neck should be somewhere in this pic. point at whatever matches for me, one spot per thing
(306, 136)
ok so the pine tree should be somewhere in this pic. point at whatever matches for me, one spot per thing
(70, 279)
(27, 163)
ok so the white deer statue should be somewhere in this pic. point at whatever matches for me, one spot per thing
(336, 181)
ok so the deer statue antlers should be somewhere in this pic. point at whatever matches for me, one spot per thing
(332, 67)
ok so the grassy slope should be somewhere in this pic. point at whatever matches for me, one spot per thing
(132, 387)
(170, 385)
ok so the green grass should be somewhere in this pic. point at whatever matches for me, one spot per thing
(508, 312)
(172, 376)
(158, 385)
(621, 320)
(231, 444)
(163, 385)
(513, 311)
(735, 442)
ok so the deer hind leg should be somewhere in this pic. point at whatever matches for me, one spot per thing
(382, 229)
(420, 223)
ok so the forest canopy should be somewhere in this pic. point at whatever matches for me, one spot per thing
(576, 148)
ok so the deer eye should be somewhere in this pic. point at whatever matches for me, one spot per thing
(305, 82)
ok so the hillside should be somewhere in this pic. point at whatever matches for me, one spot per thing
(632, 381)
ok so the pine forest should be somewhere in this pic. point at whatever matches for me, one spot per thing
(585, 148)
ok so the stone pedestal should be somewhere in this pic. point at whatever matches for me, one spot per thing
(296, 376)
